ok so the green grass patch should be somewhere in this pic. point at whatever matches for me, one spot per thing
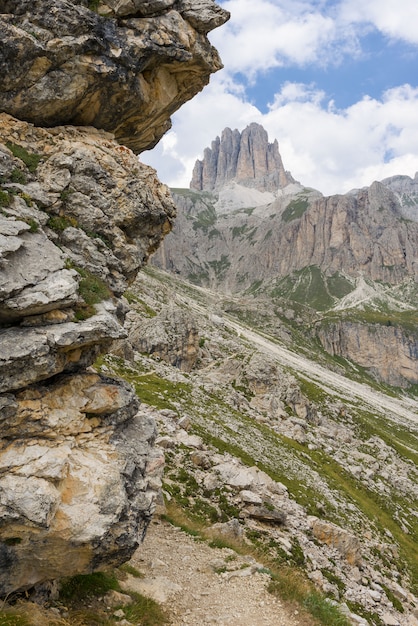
(30, 159)
(17, 176)
(151, 388)
(144, 611)
(307, 286)
(92, 288)
(88, 585)
(131, 570)
(58, 223)
(295, 209)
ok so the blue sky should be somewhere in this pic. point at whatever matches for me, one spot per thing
(335, 82)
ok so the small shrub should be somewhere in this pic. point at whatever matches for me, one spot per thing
(17, 176)
(34, 225)
(60, 223)
(26, 197)
(5, 198)
(65, 194)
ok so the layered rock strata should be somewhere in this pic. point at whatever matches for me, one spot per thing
(362, 233)
(246, 158)
(79, 216)
(390, 353)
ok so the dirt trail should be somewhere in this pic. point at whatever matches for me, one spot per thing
(405, 410)
(187, 576)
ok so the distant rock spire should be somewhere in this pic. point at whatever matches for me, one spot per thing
(246, 158)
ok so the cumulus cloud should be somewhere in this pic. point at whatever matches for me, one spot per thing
(326, 148)
(395, 19)
(271, 33)
(329, 148)
(335, 150)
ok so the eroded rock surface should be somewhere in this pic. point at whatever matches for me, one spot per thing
(78, 471)
(388, 352)
(247, 158)
(65, 64)
(171, 336)
(79, 217)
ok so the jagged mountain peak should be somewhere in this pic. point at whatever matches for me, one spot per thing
(244, 157)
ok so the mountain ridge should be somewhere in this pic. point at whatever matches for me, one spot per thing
(350, 256)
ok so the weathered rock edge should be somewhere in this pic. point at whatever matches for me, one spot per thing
(127, 74)
(79, 216)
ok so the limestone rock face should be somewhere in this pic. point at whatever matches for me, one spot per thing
(246, 158)
(171, 336)
(360, 233)
(89, 203)
(74, 483)
(79, 217)
(79, 474)
(340, 539)
(65, 64)
(388, 352)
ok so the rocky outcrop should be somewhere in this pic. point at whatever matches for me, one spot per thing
(124, 68)
(388, 352)
(79, 216)
(246, 158)
(78, 472)
(362, 233)
(171, 336)
(77, 484)
(405, 189)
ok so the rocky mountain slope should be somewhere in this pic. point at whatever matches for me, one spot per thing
(79, 216)
(346, 265)
(280, 447)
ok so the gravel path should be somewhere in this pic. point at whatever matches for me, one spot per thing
(187, 577)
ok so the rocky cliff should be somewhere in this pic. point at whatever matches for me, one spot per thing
(303, 252)
(388, 352)
(79, 216)
(360, 233)
(246, 158)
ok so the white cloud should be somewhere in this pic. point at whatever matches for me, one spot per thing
(336, 150)
(323, 147)
(395, 19)
(271, 33)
